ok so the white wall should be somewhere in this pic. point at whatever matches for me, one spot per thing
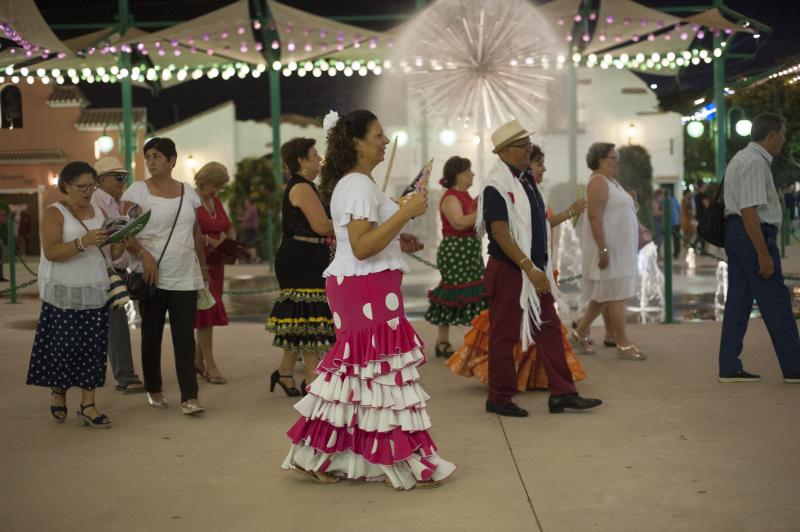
(209, 136)
(254, 139)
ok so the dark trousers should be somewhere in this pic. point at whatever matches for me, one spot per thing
(676, 240)
(119, 347)
(503, 282)
(771, 295)
(181, 305)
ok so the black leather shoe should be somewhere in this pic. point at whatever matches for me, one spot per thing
(505, 409)
(740, 376)
(557, 404)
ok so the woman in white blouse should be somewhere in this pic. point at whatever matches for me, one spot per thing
(365, 416)
(72, 333)
(178, 275)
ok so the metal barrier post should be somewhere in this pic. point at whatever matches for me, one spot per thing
(667, 256)
(12, 256)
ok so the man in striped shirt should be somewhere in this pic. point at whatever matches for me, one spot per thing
(752, 218)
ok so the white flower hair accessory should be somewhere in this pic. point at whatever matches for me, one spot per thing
(329, 121)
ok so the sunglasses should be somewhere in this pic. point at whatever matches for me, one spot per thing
(520, 144)
(121, 178)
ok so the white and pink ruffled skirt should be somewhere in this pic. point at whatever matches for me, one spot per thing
(365, 415)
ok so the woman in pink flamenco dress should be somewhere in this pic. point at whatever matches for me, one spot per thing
(365, 416)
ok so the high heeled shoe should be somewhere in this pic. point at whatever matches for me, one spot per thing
(582, 343)
(191, 409)
(444, 349)
(59, 413)
(275, 378)
(630, 352)
(99, 422)
(157, 403)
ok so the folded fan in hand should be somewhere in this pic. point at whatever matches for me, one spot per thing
(421, 181)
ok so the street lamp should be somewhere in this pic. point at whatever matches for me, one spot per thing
(695, 129)
(743, 127)
(631, 131)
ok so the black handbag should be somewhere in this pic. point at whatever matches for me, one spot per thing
(138, 289)
(712, 225)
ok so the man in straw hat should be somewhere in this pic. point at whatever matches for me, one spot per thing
(111, 181)
(519, 278)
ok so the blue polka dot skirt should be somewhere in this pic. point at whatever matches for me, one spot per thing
(69, 348)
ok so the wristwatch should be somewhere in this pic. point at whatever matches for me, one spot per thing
(604, 251)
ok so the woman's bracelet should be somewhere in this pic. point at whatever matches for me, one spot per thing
(81, 247)
(77, 245)
(206, 239)
(522, 261)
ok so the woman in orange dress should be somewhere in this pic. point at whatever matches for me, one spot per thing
(472, 359)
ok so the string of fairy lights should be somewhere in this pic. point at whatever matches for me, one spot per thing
(142, 73)
(150, 56)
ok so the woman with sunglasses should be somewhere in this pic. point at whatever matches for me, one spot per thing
(72, 334)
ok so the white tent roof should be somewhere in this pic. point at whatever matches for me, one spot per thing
(32, 32)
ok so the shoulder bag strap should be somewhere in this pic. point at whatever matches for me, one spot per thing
(174, 222)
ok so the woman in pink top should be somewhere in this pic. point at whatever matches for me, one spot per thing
(458, 298)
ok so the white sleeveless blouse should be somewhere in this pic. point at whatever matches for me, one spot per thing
(81, 281)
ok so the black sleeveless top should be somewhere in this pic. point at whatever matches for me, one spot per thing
(295, 222)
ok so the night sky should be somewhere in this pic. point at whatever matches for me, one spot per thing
(313, 97)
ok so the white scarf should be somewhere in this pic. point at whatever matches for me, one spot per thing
(519, 224)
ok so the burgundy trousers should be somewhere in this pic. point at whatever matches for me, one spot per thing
(503, 282)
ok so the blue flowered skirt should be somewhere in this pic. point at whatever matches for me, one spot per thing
(69, 348)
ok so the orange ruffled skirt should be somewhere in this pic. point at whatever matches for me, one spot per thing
(472, 359)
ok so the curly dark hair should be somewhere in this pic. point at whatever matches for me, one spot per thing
(295, 149)
(536, 153)
(454, 166)
(340, 151)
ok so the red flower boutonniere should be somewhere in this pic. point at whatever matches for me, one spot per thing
(511, 195)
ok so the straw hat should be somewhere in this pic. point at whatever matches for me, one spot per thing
(508, 133)
(109, 165)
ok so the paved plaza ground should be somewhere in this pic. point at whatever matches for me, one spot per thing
(671, 449)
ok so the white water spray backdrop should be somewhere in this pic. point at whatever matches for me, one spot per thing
(480, 63)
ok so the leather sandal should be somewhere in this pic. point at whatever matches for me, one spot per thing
(630, 352)
(59, 413)
(583, 343)
(99, 422)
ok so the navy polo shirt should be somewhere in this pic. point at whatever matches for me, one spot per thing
(494, 210)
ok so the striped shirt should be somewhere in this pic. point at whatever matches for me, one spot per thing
(749, 183)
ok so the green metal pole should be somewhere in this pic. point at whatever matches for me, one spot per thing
(667, 208)
(719, 101)
(277, 167)
(127, 94)
(12, 256)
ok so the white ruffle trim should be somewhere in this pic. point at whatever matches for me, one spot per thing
(365, 418)
(344, 265)
(353, 390)
(376, 369)
(403, 475)
(357, 208)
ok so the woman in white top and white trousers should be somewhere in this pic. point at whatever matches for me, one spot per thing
(365, 416)
(72, 334)
(609, 246)
(180, 274)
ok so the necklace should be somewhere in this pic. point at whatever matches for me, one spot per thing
(210, 208)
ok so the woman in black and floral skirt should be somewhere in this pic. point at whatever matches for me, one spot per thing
(301, 319)
(458, 298)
